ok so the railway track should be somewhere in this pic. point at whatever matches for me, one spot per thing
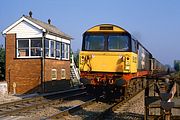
(92, 110)
(74, 106)
(34, 103)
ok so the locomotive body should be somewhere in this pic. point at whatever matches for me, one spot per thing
(110, 56)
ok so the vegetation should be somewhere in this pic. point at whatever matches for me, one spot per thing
(177, 65)
(2, 55)
(2, 63)
(76, 57)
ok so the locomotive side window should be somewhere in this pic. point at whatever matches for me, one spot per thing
(118, 43)
(133, 44)
(94, 42)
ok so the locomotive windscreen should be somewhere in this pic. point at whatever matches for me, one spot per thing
(106, 42)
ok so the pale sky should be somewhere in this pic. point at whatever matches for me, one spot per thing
(155, 23)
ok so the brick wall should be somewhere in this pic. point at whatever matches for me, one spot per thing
(25, 74)
(58, 84)
(10, 54)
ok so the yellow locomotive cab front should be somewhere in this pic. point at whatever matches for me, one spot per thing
(116, 62)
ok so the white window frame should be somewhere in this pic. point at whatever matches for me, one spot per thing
(53, 48)
(29, 48)
(66, 51)
(49, 55)
(58, 49)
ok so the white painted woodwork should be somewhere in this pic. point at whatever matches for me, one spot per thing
(52, 37)
(25, 30)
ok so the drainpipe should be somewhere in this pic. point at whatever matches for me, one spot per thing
(43, 64)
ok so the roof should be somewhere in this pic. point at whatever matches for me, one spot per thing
(50, 29)
(106, 28)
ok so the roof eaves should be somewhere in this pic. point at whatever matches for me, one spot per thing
(12, 25)
(34, 24)
(50, 29)
(20, 20)
(58, 35)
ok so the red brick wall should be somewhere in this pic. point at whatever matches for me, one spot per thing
(58, 65)
(26, 73)
(58, 84)
(10, 54)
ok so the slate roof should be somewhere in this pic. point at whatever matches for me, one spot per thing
(49, 27)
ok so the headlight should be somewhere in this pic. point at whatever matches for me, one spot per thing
(127, 67)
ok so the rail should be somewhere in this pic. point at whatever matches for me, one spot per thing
(97, 113)
(16, 107)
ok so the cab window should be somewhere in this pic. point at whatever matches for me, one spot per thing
(118, 43)
(94, 42)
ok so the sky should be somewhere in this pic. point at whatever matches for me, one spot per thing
(155, 23)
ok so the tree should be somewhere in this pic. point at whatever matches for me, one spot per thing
(177, 65)
(2, 55)
(2, 63)
(76, 57)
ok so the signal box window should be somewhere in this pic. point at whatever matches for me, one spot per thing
(118, 43)
(94, 42)
(29, 48)
(65, 51)
(47, 48)
(50, 48)
(22, 48)
(36, 47)
(58, 50)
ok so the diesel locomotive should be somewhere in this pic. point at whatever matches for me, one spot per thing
(111, 59)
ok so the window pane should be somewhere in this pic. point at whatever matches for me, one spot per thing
(36, 43)
(47, 52)
(118, 42)
(67, 51)
(57, 45)
(94, 42)
(57, 54)
(63, 50)
(133, 46)
(23, 48)
(23, 52)
(52, 49)
(58, 49)
(23, 43)
(46, 43)
(36, 51)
